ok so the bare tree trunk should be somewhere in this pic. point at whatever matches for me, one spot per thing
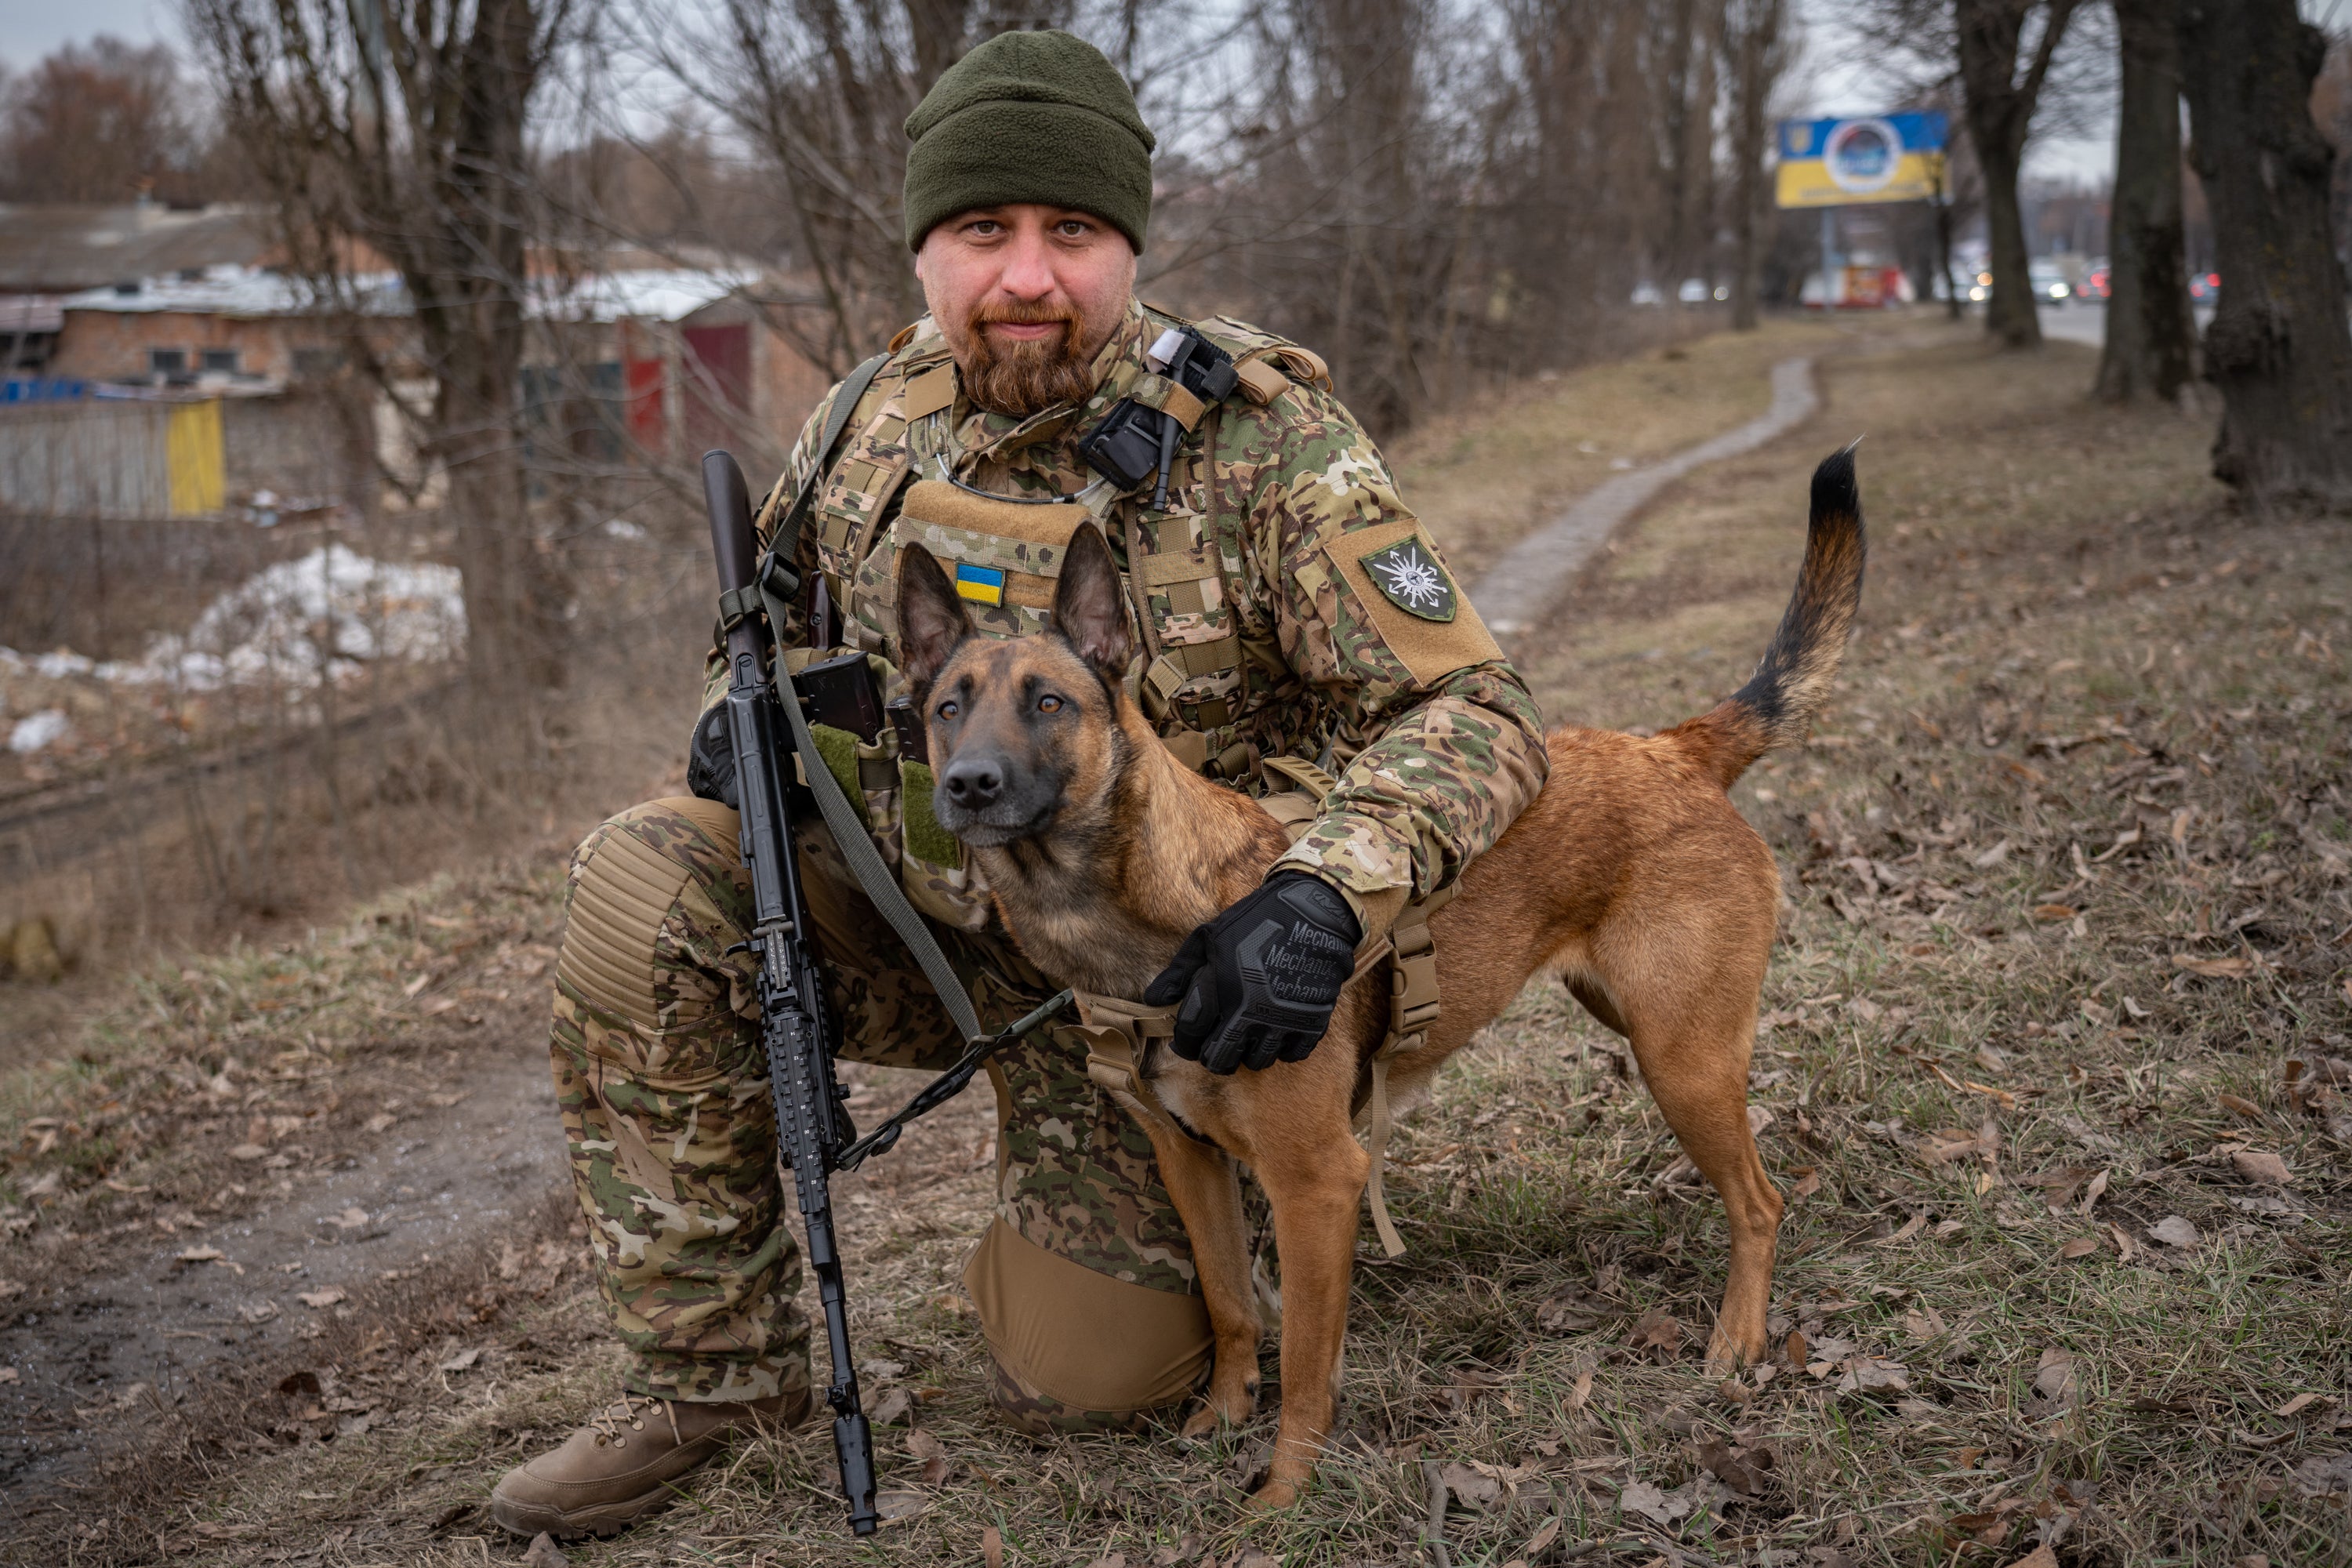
(2279, 347)
(1757, 62)
(1999, 111)
(2010, 315)
(2150, 349)
(1953, 309)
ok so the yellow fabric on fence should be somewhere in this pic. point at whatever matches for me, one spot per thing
(191, 456)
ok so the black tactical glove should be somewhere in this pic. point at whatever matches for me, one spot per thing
(1259, 981)
(711, 760)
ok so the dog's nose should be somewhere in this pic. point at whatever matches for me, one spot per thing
(973, 782)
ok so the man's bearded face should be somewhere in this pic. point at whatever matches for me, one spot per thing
(1022, 376)
(1026, 296)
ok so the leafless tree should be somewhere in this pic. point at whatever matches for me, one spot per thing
(1755, 40)
(2150, 344)
(2279, 348)
(2003, 58)
(100, 122)
(396, 129)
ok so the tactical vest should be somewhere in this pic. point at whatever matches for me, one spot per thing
(890, 486)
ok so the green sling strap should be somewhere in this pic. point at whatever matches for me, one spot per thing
(866, 862)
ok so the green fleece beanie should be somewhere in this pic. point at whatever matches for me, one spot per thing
(1029, 117)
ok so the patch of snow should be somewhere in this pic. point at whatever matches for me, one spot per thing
(38, 731)
(324, 616)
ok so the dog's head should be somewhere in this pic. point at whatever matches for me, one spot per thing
(1023, 731)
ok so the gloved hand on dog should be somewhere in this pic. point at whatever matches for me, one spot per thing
(711, 760)
(1257, 984)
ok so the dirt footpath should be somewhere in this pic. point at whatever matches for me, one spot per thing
(98, 1359)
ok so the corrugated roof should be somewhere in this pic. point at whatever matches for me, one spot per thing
(235, 291)
(54, 248)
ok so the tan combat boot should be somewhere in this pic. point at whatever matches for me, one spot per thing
(622, 1464)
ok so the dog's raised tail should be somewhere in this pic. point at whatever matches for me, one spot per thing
(1777, 706)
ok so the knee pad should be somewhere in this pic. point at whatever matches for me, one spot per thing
(1078, 1350)
(629, 878)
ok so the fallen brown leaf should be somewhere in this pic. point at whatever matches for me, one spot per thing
(542, 1553)
(2055, 912)
(2300, 1402)
(2239, 1107)
(1911, 1227)
(320, 1299)
(2040, 1557)
(1477, 1490)
(1656, 1330)
(2256, 1165)
(199, 1255)
(2175, 1230)
(2214, 968)
(2081, 1247)
(1582, 1391)
(992, 1547)
(2053, 1377)
(249, 1153)
(926, 1447)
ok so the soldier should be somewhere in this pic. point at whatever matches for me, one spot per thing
(1290, 607)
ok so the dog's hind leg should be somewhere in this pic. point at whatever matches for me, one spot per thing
(1695, 1063)
(1201, 1182)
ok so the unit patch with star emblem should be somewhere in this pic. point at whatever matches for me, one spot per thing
(1411, 579)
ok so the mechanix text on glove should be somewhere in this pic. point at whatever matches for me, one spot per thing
(1257, 984)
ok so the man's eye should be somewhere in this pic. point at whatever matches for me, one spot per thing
(1049, 704)
(1073, 229)
(950, 710)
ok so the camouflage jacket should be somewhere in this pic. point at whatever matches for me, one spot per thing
(1293, 606)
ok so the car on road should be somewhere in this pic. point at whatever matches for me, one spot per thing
(2205, 288)
(2097, 281)
(2050, 285)
(1694, 291)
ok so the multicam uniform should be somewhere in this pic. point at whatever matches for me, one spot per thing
(1291, 606)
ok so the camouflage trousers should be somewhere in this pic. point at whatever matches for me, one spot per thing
(1084, 1279)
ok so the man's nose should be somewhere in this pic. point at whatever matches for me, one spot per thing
(973, 782)
(1028, 268)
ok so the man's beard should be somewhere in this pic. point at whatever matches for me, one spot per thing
(1022, 378)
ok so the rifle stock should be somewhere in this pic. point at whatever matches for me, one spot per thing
(812, 1128)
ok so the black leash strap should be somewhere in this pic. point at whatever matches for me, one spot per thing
(945, 1087)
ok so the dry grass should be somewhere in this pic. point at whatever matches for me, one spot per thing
(1511, 460)
(2094, 724)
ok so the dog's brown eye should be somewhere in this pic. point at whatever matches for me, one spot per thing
(949, 709)
(1049, 704)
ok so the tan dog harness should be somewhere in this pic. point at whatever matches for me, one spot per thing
(1120, 1035)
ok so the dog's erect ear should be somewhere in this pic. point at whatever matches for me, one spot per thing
(932, 619)
(1090, 605)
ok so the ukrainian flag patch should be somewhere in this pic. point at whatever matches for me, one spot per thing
(985, 583)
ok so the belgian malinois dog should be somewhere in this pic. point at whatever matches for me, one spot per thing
(1631, 878)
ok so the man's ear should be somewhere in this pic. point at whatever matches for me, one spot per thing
(931, 618)
(1090, 605)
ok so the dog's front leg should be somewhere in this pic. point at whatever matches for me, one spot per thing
(1207, 1193)
(1316, 1189)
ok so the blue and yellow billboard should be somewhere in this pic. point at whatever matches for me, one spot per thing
(1873, 158)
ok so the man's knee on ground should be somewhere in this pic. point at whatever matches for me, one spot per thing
(1078, 1350)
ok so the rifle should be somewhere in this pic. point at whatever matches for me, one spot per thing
(813, 1135)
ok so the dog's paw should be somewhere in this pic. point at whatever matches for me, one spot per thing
(1202, 1423)
(1274, 1494)
(1727, 1357)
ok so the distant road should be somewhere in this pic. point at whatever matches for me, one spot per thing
(2087, 322)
